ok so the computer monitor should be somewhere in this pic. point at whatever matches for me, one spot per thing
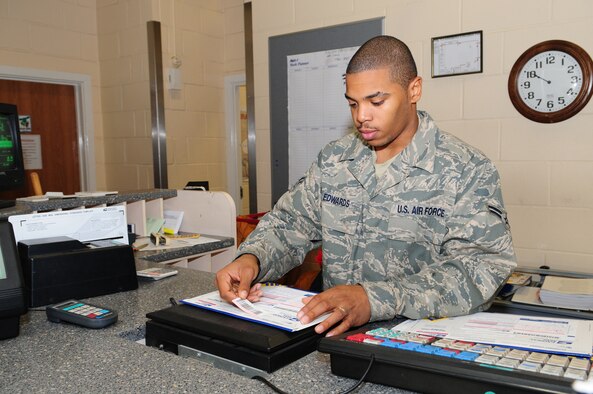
(12, 170)
(12, 293)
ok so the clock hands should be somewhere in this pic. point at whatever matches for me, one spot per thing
(559, 91)
(548, 81)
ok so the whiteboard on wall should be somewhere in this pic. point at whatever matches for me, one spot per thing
(317, 110)
(313, 111)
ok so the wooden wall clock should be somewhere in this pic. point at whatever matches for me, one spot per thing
(551, 81)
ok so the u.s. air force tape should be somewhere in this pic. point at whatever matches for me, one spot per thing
(500, 213)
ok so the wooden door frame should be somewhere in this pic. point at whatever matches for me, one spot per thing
(85, 130)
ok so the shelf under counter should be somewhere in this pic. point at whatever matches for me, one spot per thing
(209, 257)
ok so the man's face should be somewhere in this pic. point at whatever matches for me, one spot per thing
(382, 110)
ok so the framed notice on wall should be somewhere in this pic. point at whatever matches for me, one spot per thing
(457, 54)
(31, 144)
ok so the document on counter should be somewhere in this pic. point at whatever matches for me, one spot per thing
(85, 225)
(552, 335)
(277, 307)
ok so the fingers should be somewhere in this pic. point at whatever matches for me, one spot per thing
(255, 293)
(314, 306)
(343, 327)
(235, 279)
(338, 315)
(348, 304)
(321, 303)
(226, 288)
(245, 283)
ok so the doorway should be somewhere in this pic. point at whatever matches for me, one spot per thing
(48, 135)
(237, 146)
(82, 110)
(244, 189)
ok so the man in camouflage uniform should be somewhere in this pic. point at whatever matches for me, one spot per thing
(410, 219)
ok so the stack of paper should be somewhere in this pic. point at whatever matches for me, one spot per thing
(567, 292)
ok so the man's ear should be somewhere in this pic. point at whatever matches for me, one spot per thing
(415, 90)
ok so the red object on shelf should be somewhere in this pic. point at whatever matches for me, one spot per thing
(246, 224)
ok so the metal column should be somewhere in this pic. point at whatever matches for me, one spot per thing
(157, 105)
(250, 107)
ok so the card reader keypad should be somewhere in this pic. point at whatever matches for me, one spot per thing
(86, 310)
(76, 312)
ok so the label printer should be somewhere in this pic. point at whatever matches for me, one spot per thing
(56, 269)
(78, 253)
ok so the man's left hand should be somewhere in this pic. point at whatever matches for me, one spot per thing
(348, 304)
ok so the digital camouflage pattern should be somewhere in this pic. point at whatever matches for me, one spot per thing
(428, 239)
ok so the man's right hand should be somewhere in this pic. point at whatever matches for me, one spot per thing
(235, 279)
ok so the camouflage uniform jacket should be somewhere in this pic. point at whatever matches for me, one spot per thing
(429, 238)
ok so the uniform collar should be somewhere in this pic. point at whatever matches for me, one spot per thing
(419, 153)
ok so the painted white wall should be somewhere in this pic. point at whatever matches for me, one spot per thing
(206, 38)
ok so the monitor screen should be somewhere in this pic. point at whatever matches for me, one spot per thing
(7, 159)
(12, 171)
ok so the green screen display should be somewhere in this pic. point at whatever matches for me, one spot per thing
(6, 144)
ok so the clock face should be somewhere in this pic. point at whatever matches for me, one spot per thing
(550, 81)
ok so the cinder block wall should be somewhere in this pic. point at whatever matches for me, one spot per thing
(546, 170)
(207, 38)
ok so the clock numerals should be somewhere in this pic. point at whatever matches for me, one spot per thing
(542, 82)
(551, 81)
(551, 59)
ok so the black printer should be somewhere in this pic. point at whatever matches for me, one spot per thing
(60, 268)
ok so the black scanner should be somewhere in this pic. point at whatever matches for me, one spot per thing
(246, 343)
(60, 268)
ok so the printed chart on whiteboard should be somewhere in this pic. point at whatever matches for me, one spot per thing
(317, 110)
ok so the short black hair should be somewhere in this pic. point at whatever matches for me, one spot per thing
(385, 52)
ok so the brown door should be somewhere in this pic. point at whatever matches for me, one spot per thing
(53, 117)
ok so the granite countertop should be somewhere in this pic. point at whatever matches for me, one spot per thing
(25, 207)
(57, 357)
